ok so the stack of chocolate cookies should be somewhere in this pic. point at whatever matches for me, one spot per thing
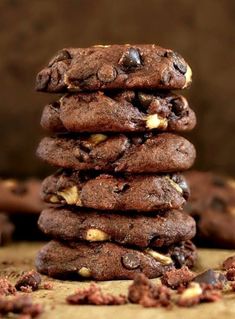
(116, 202)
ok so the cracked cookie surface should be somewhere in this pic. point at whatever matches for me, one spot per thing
(93, 260)
(114, 67)
(164, 152)
(125, 111)
(146, 193)
(155, 230)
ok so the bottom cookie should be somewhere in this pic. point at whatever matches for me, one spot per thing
(109, 261)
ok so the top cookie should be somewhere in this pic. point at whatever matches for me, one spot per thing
(114, 67)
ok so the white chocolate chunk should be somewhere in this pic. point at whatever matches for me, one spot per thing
(193, 291)
(155, 121)
(97, 138)
(96, 235)
(84, 272)
(188, 76)
(71, 196)
(165, 260)
(174, 184)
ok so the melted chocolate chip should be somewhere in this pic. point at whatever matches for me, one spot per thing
(55, 105)
(130, 261)
(177, 107)
(178, 61)
(178, 258)
(145, 99)
(131, 59)
(61, 56)
(182, 184)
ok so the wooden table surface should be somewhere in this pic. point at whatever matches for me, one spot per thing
(17, 258)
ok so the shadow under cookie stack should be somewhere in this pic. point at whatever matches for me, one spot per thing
(116, 202)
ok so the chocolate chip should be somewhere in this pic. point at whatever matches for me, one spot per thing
(210, 277)
(182, 184)
(218, 204)
(107, 73)
(55, 105)
(178, 258)
(131, 261)
(178, 62)
(60, 56)
(177, 107)
(145, 99)
(131, 58)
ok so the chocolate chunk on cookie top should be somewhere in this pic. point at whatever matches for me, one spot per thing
(108, 261)
(109, 192)
(121, 153)
(114, 67)
(155, 230)
(126, 111)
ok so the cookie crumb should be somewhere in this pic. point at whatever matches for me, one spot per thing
(22, 305)
(177, 277)
(26, 289)
(6, 288)
(93, 295)
(31, 279)
(144, 292)
(196, 293)
(47, 285)
(230, 274)
(229, 263)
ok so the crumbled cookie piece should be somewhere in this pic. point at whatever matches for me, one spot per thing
(29, 280)
(93, 295)
(47, 285)
(144, 292)
(20, 305)
(229, 263)
(26, 289)
(177, 277)
(230, 274)
(197, 293)
(6, 288)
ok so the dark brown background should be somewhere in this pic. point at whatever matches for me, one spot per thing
(201, 30)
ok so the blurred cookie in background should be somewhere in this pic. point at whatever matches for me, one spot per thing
(6, 230)
(20, 201)
(212, 204)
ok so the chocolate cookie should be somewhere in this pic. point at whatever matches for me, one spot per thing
(126, 111)
(20, 196)
(212, 204)
(109, 192)
(6, 230)
(136, 154)
(156, 230)
(108, 261)
(114, 67)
